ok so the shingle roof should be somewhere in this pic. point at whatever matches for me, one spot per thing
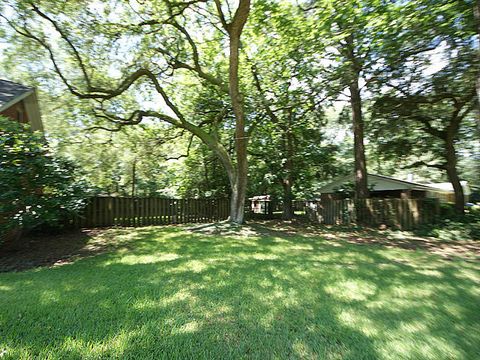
(10, 91)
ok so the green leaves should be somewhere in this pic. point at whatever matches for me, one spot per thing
(35, 187)
(306, 54)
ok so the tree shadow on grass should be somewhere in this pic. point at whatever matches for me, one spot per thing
(179, 295)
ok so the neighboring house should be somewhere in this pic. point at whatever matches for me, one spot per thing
(261, 204)
(20, 103)
(388, 187)
(444, 191)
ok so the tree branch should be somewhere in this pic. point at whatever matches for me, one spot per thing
(428, 128)
(221, 15)
(67, 40)
(264, 100)
(423, 163)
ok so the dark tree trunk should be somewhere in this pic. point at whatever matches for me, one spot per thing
(453, 175)
(360, 176)
(134, 176)
(361, 185)
(476, 12)
(288, 210)
(288, 169)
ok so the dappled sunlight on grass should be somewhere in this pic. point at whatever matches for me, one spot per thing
(360, 321)
(147, 259)
(351, 290)
(170, 293)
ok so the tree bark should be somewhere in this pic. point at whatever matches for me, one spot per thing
(134, 180)
(360, 175)
(453, 177)
(239, 186)
(361, 185)
(476, 12)
(288, 211)
(288, 169)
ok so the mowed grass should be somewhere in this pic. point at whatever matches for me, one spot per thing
(172, 293)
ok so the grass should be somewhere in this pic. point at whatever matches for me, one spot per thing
(168, 292)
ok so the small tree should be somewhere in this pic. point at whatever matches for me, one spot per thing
(35, 187)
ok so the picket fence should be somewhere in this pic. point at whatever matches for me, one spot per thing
(402, 214)
(103, 211)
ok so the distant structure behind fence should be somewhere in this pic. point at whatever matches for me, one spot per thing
(105, 211)
(402, 214)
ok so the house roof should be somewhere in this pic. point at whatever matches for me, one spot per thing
(11, 92)
(261, 198)
(410, 184)
(380, 183)
(448, 187)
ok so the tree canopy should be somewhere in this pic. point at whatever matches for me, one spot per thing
(237, 98)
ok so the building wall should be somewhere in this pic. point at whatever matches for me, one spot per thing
(446, 197)
(33, 110)
(398, 194)
(17, 112)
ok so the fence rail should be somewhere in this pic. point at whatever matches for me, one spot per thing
(403, 214)
(123, 211)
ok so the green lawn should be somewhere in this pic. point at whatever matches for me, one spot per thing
(167, 292)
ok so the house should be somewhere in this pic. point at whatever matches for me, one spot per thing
(19, 103)
(388, 187)
(261, 204)
(444, 191)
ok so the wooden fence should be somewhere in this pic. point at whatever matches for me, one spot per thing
(124, 211)
(402, 214)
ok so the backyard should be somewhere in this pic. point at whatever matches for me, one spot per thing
(239, 179)
(266, 290)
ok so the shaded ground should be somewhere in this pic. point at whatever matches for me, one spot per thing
(51, 250)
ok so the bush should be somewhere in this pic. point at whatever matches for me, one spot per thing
(35, 187)
(447, 211)
(451, 226)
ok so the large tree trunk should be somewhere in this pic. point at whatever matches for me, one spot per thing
(239, 186)
(288, 210)
(134, 180)
(453, 177)
(361, 186)
(288, 169)
(360, 176)
(476, 12)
